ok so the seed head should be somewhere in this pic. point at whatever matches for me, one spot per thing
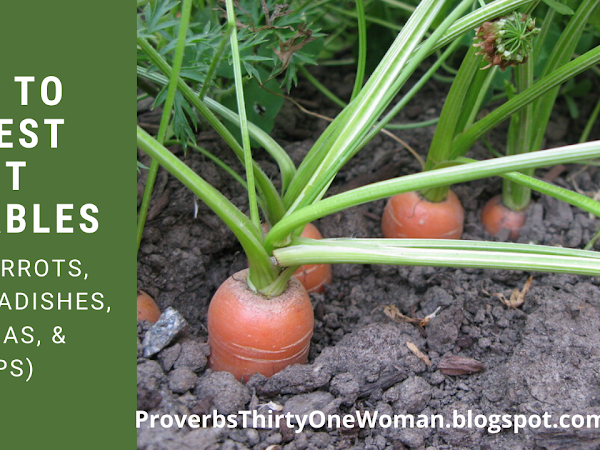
(506, 41)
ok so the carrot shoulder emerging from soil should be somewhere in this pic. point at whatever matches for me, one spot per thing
(314, 277)
(495, 217)
(409, 215)
(249, 333)
(147, 308)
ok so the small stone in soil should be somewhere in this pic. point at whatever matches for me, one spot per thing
(162, 333)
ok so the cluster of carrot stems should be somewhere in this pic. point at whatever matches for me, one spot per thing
(302, 197)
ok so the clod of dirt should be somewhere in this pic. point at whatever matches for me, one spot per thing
(345, 386)
(294, 379)
(169, 355)
(174, 439)
(147, 399)
(443, 330)
(228, 395)
(193, 356)
(305, 404)
(411, 396)
(373, 352)
(150, 375)
(375, 356)
(181, 380)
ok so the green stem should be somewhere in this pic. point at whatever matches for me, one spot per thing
(362, 48)
(145, 205)
(412, 125)
(166, 116)
(461, 100)
(560, 55)
(279, 155)
(280, 283)
(450, 244)
(591, 122)
(544, 32)
(371, 19)
(400, 5)
(266, 188)
(343, 137)
(244, 230)
(593, 241)
(219, 162)
(363, 253)
(573, 198)
(516, 196)
(384, 123)
(243, 123)
(277, 237)
(463, 142)
(283, 160)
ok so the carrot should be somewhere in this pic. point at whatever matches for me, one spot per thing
(314, 277)
(495, 217)
(409, 215)
(249, 333)
(146, 307)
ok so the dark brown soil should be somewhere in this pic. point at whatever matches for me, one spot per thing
(543, 357)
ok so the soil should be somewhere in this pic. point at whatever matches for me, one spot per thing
(542, 357)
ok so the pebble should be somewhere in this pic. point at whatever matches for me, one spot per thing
(162, 333)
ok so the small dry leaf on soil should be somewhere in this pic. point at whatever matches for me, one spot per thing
(418, 353)
(517, 297)
(394, 313)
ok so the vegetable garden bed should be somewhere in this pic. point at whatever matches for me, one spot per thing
(541, 357)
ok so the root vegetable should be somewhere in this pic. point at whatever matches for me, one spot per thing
(249, 333)
(495, 217)
(147, 308)
(409, 215)
(314, 277)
